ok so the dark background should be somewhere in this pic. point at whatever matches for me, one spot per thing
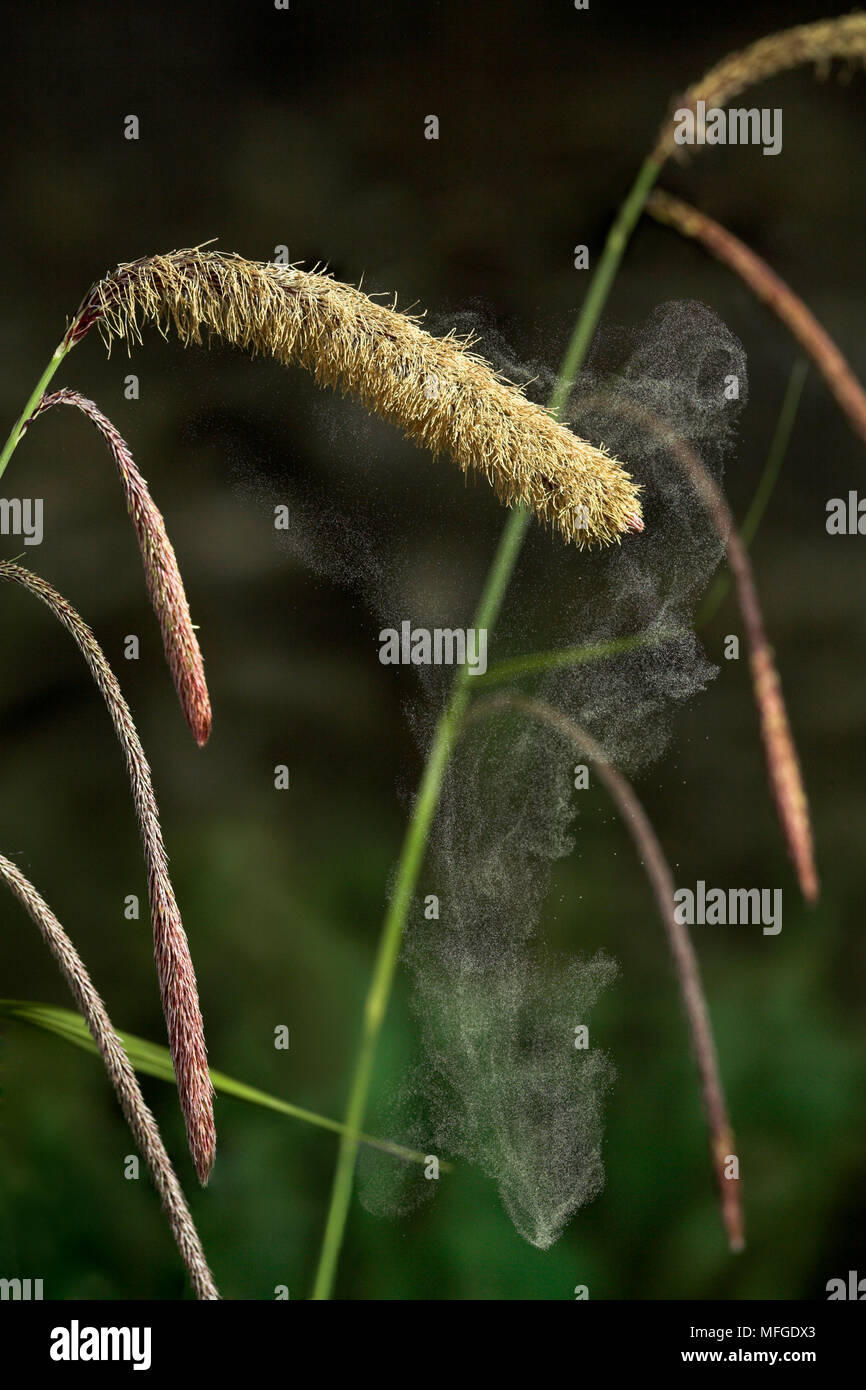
(306, 128)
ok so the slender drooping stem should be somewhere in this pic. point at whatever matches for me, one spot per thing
(763, 281)
(722, 1146)
(122, 1077)
(174, 965)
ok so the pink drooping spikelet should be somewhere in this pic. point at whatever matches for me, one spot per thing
(161, 570)
(772, 290)
(174, 967)
(783, 764)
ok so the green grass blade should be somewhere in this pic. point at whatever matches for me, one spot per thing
(153, 1060)
(535, 662)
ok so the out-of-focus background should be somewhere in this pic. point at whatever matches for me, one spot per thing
(305, 128)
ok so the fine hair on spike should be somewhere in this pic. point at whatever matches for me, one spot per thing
(174, 965)
(441, 394)
(161, 570)
(122, 1077)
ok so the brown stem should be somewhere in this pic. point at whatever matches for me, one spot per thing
(122, 1077)
(171, 949)
(772, 291)
(685, 961)
(783, 764)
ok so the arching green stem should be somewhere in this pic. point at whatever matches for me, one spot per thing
(418, 832)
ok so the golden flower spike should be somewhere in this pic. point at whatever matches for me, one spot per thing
(442, 395)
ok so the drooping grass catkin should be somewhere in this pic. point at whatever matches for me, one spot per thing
(783, 764)
(440, 393)
(122, 1077)
(772, 291)
(174, 967)
(161, 570)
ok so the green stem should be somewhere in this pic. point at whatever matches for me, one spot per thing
(38, 392)
(411, 859)
(617, 240)
(418, 832)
